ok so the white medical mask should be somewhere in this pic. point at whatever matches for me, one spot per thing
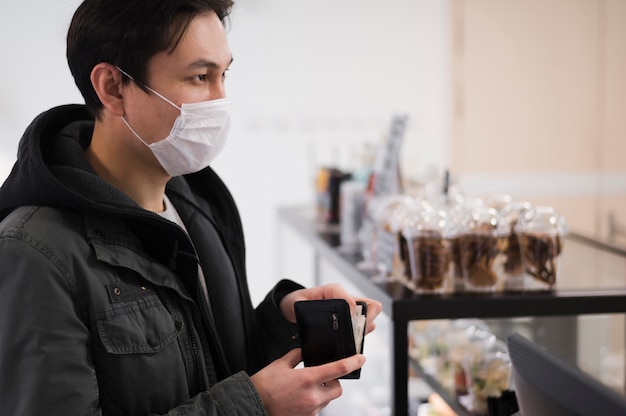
(198, 135)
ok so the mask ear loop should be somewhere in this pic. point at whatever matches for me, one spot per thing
(124, 118)
(151, 90)
(124, 72)
(133, 131)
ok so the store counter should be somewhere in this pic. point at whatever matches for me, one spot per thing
(592, 282)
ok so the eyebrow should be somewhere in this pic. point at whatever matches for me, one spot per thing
(203, 63)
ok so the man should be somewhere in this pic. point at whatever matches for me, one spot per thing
(122, 280)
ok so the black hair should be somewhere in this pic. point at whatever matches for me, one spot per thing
(127, 33)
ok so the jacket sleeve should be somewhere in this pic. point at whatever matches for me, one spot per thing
(279, 335)
(225, 399)
(46, 365)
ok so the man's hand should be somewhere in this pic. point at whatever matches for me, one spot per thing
(289, 391)
(330, 291)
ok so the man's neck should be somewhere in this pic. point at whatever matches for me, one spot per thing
(118, 160)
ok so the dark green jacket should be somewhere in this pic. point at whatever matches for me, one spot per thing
(100, 307)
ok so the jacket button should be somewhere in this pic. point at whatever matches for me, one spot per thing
(98, 232)
(117, 291)
(142, 287)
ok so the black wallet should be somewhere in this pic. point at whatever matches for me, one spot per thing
(329, 333)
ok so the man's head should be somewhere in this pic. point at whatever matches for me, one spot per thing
(127, 33)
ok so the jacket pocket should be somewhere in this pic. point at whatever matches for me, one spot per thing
(139, 326)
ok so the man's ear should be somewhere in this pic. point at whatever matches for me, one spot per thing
(107, 82)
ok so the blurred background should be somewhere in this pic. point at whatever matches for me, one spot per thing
(527, 98)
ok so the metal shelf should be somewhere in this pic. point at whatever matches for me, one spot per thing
(404, 305)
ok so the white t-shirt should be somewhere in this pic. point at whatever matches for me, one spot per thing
(171, 214)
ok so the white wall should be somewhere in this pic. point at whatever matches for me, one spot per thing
(310, 81)
(33, 74)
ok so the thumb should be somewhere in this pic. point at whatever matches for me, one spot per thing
(293, 357)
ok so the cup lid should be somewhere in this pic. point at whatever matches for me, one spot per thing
(542, 219)
(512, 212)
(485, 220)
(427, 221)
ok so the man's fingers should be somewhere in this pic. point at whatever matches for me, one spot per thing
(293, 357)
(331, 389)
(332, 371)
(336, 291)
(374, 308)
(331, 384)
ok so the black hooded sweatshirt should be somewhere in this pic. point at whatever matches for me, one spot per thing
(101, 310)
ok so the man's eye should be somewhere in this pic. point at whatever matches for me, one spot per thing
(224, 74)
(201, 77)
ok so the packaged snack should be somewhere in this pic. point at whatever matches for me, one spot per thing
(457, 210)
(427, 235)
(483, 243)
(488, 375)
(513, 272)
(428, 346)
(388, 219)
(466, 338)
(540, 231)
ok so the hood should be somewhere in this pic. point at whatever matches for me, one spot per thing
(52, 170)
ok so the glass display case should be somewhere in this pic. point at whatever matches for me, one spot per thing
(590, 298)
